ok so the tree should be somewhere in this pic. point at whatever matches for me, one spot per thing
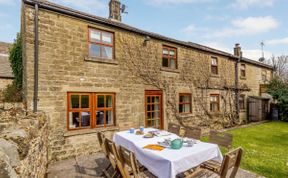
(280, 65)
(278, 89)
(15, 58)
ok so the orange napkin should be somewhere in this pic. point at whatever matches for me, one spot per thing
(154, 147)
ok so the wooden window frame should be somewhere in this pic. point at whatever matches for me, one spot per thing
(242, 105)
(185, 103)
(92, 109)
(169, 48)
(243, 71)
(218, 102)
(101, 43)
(214, 66)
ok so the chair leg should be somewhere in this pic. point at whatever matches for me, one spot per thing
(106, 169)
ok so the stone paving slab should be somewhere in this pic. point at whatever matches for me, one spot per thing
(91, 166)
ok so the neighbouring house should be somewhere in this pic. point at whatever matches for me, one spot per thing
(90, 73)
(6, 75)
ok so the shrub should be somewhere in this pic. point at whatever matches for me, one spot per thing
(12, 94)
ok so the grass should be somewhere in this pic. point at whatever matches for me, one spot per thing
(265, 148)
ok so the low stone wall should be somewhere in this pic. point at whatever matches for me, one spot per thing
(23, 144)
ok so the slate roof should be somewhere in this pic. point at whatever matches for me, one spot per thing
(96, 19)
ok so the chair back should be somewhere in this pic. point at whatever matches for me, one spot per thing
(193, 132)
(128, 162)
(222, 139)
(174, 128)
(232, 159)
(101, 138)
(125, 125)
(110, 149)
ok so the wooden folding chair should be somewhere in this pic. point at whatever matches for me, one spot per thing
(110, 149)
(231, 159)
(101, 139)
(130, 166)
(221, 139)
(193, 132)
(174, 128)
(125, 125)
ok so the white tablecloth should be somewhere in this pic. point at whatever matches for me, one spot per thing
(168, 162)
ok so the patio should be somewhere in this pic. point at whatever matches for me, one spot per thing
(92, 165)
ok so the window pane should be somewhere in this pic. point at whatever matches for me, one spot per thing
(107, 52)
(214, 69)
(173, 63)
(184, 108)
(74, 118)
(165, 62)
(172, 53)
(75, 101)
(156, 115)
(109, 117)
(214, 61)
(165, 51)
(156, 99)
(109, 101)
(95, 36)
(156, 107)
(85, 119)
(185, 99)
(100, 101)
(99, 117)
(94, 50)
(149, 108)
(85, 101)
(107, 38)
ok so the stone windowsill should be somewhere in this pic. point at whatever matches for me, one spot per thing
(243, 78)
(216, 113)
(242, 110)
(101, 60)
(187, 115)
(166, 69)
(89, 131)
(215, 75)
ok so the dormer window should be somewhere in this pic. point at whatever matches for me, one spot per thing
(101, 44)
(214, 66)
(169, 57)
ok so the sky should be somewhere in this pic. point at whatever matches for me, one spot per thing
(215, 23)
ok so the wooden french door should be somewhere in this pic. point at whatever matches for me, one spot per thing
(153, 109)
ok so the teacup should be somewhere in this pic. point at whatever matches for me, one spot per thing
(190, 142)
(131, 130)
(142, 129)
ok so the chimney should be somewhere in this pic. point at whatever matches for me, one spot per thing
(115, 10)
(237, 50)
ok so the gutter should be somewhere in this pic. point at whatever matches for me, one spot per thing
(36, 58)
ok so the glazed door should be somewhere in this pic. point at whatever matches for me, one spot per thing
(153, 109)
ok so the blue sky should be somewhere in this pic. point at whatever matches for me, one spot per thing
(215, 23)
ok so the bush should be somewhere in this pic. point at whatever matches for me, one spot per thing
(12, 94)
(279, 91)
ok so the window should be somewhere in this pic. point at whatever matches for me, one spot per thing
(214, 103)
(214, 65)
(243, 70)
(90, 110)
(185, 103)
(101, 44)
(169, 57)
(264, 75)
(242, 102)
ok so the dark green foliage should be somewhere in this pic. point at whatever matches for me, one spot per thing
(279, 91)
(15, 58)
(12, 94)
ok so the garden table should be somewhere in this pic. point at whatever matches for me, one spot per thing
(168, 162)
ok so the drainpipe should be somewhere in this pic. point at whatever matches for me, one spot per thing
(36, 58)
(238, 53)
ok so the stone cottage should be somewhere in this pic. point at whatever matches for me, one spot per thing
(90, 73)
(6, 75)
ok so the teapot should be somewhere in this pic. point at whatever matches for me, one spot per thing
(176, 144)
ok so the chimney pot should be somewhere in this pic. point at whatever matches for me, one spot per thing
(115, 10)
(237, 50)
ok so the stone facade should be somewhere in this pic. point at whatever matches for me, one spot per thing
(4, 82)
(6, 76)
(65, 66)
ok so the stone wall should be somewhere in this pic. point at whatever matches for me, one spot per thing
(64, 66)
(4, 48)
(4, 82)
(23, 144)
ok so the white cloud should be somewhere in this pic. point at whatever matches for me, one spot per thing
(244, 4)
(98, 7)
(8, 2)
(171, 2)
(238, 27)
(283, 41)
(255, 54)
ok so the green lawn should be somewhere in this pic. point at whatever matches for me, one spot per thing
(265, 148)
